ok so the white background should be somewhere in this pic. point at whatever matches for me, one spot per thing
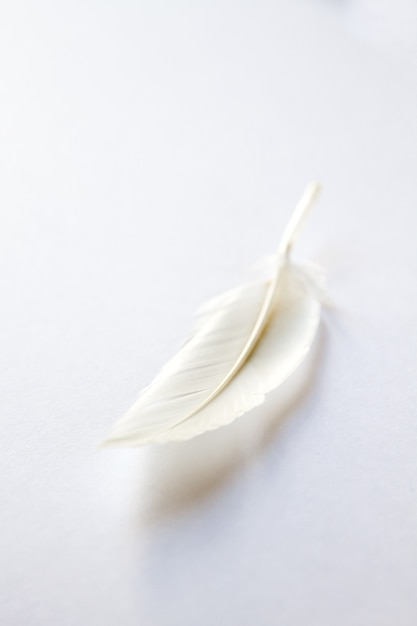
(150, 153)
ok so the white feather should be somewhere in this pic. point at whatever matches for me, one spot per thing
(245, 343)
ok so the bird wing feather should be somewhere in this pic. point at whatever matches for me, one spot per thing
(245, 343)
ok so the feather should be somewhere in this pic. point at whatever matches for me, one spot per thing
(245, 343)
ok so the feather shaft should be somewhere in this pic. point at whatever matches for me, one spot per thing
(303, 207)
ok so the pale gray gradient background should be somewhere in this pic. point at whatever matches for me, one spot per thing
(151, 152)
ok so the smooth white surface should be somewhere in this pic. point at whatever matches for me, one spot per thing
(132, 135)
